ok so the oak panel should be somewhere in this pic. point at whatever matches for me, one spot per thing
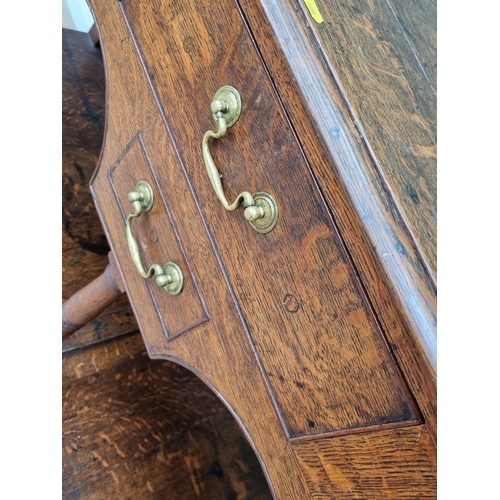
(392, 464)
(157, 240)
(393, 101)
(418, 19)
(393, 275)
(296, 281)
(213, 457)
(218, 350)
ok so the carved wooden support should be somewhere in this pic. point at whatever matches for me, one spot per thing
(90, 301)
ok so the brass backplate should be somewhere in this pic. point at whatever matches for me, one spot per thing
(232, 98)
(267, 202)
(147, 201)
(177, 279)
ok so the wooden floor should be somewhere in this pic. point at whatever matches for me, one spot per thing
(133, 428)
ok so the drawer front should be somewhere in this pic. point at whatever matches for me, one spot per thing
(321, 352)
(157, 240)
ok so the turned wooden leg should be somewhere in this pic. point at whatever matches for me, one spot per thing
(90, 301)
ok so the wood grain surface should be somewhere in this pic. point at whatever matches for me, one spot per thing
(181, 442)
(217, 350)
(84, 243)
(392, 464)
(396, 283)
(392, 98)
(346, 171)
(136, 428)
(156, 234)
(164, 63)
(418, 20)
(295, 281)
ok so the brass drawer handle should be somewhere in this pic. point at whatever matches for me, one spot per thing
(169, 276)
(260, 209)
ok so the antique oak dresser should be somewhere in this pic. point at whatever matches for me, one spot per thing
(267, 185)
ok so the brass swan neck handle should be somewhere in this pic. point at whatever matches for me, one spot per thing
(169, 276)
(212, 171)
(260, 209)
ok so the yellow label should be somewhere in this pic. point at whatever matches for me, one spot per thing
(313, 10)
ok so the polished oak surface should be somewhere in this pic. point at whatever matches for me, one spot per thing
(299, 331)
(132, 427)
(396, 280)
(391, 88)
(299, 272)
